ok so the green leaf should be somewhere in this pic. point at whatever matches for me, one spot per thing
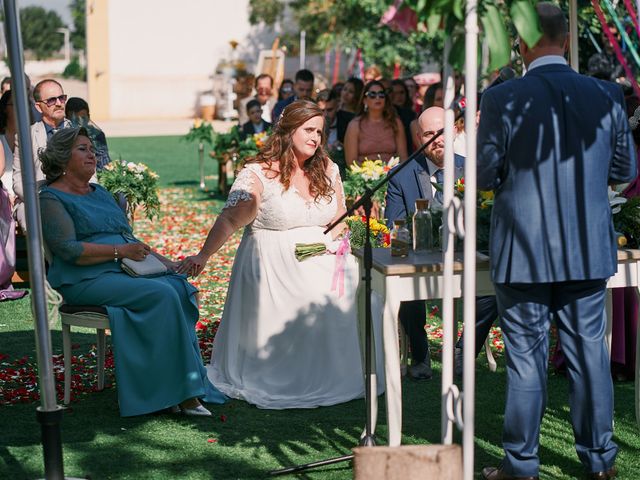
(433, 22)
(457, 53)
(457, 9)
(497, 38)
(525, 19)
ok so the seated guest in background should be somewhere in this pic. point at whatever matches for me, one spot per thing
(376, 132)
(50, 101)
(350, 99)
(372, 73)
(157, 359)
(402, 103)
(7, 136)
(302, 89)
(433, 97)
(336, 89)
(256, 123)
(77, 112)
(286, 89)
(328, 103)
(412, 88)
(263, 94)
(5, 85)
(7, 243)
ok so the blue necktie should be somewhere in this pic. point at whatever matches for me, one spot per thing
(439, 176)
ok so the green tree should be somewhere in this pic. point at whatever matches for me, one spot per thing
(349, 24)
(39, 31)
(78, 15)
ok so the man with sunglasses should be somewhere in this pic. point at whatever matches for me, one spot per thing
(50, 101)
(264, 94)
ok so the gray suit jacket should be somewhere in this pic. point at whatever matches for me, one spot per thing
(549, 143)
(38, 142)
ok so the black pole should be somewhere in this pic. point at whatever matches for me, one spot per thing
(51, 442)
(368, 440)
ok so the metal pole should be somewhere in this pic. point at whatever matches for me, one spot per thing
(470, 203)
(49, 412)
(448, 246)
(573, 35)
(201, 164)
(303, 48)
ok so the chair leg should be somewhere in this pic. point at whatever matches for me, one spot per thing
(66, 349)
(101, 358)
(492, 361)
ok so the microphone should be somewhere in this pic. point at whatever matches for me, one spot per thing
(505, 74)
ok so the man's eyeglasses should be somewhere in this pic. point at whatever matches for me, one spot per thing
(264, 90)
(50, 102)
(379, 94)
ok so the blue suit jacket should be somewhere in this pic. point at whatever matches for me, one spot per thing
(406, 187)
(549, 143)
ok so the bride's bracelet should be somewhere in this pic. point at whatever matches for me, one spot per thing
(115, 254)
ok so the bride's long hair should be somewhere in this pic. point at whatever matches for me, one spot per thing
(279, 148)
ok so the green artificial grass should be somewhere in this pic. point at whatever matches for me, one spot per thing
(175, 160)
(241, 441)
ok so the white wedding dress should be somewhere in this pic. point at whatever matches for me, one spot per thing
(286, 340)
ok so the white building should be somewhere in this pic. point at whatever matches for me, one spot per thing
(153, 58)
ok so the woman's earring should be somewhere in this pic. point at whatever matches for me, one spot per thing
(64, 172)
(366, 107)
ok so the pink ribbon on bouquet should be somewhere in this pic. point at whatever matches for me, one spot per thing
(341, 260)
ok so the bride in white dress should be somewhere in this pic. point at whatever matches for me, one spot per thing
(286, 339)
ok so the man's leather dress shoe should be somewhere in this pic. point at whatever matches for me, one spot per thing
(611, 473)
(495, 473)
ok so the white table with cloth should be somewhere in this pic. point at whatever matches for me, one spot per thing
(421, 277)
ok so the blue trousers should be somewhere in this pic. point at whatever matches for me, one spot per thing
(525, 314)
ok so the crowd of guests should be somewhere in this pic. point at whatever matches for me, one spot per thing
(374, 118)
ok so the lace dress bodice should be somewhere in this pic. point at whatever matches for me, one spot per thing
(281, 209)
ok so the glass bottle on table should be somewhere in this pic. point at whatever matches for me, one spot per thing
(422, 227)
(399, 239)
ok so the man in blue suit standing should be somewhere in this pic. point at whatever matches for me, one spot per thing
(550, 143)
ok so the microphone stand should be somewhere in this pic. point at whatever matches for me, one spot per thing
(368, 439)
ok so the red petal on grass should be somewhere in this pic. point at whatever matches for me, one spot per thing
(212, 440)
(223, 418)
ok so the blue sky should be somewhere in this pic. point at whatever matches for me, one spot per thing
(60, 6)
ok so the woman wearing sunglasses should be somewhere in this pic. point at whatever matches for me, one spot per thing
(376, 132)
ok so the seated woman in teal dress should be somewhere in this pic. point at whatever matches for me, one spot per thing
(157, 358)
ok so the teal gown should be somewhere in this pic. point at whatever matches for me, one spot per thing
(152, 320)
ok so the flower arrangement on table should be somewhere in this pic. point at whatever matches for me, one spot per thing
(626, 219)
(136, 182)
(367, 175)
(378, 232)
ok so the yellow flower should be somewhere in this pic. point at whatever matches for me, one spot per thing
(486, 195)
(197, 123)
